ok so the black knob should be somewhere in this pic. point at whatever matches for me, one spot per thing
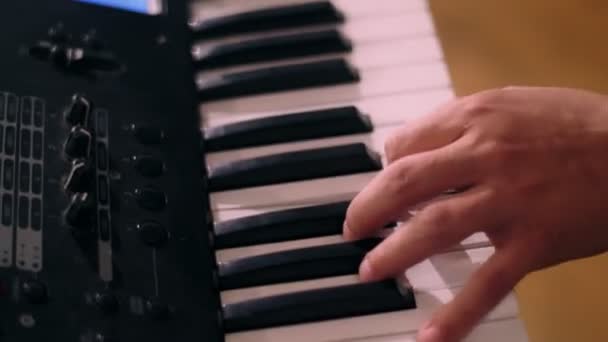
(77, 113)
(157, 309)
(148, 166)
(106, 302)
(150, 199)
(148, 134)
(152, 233)
(79, 213)
(78, 144)
(79, 179)
(34, 291)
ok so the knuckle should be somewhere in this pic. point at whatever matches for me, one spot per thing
(439, 216)
(391, 146)
(481, 103)
(399, 178)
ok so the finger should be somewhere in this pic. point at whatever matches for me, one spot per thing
(436, 228)
(404, 184)
(432, 131)
(488, 286)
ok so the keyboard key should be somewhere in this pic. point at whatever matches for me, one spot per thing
(10, 141)
(318, 305)
(275, 79)
(279, 17)
(289, 224)
(271, 49)
(293, 265)
(294, 166)
(289, 127)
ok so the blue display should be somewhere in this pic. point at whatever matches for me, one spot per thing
(140, 6)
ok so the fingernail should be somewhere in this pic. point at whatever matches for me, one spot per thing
(429, 333)
(346, 232)
(365, 270)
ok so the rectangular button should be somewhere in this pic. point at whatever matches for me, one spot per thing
(318, 305)
(7, 210)
(37, 146)
(269, 18)
(9, 141)
(1, 137)
(102, 156)
(104, 226)
(9, 174)
(289, 127)
(294, 166)
(2, 106)
(295, 265)
(24, 177)
(102, 123)
(27, 110)
(37, 179)
(102, 190)
(24, 212)
(36, 214)
(277, 79)
(38, 113)
(26, 143)
(271, 49)
(12, 108)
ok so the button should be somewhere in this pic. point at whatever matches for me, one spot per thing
(2, 106)
(37, 179)
(24, 212)
(36, 214)
(152, 233)
(148, 166)
(102, 123)
(79, 178)
(9, 174)
(7, 210)
(106, 302)
(104, 226)
(9, 141)
(34, 291)
(78, 144)
(157, 309)
(148, 134)
(79, 213)
(27, 111)
(26, 143)
(150, 199)
(1, 137)
(102, 156)
(102, 190)
(12, 108)
(38, 146)
(24, 177)
(77, 113)
(38, 113)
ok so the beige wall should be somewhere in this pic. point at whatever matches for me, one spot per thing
(494, 43)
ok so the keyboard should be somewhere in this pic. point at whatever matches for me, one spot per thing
(297, 100)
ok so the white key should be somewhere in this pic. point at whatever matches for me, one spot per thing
(373, 83)
(374, 140)
(364, 57)
(410, 25)
(502, 330)
(383, 110)
(203, 10)
(392, 323)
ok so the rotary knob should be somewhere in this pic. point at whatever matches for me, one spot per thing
(78, 144)
(34, 291)
(79, 213)
(77, 113)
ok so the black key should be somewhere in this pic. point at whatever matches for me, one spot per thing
(295, 265)
(274, 48)
(24, 212)
(294, 166)
(318, 305)
(285, 225)
(277, 78)
(271, 18)
(26, 143)
(287, 128)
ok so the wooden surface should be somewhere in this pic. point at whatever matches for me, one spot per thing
(495, 43)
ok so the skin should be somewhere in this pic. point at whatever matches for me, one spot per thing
(531, 167)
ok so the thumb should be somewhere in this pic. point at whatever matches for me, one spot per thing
(488, 286)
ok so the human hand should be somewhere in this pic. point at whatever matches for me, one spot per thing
(532, 164)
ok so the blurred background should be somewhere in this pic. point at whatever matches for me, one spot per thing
(545, 43)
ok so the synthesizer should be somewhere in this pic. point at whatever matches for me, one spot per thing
(180, 171)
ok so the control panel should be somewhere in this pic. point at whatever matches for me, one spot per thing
(102, 213)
